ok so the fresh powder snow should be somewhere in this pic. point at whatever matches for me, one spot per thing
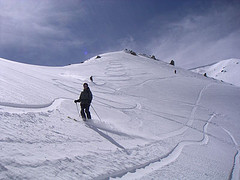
(148, 121)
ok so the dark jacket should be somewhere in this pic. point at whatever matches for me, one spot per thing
(85, 97)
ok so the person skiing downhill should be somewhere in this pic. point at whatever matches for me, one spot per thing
(85, 100)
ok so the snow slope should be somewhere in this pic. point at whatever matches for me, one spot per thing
(226, 70)
(154, 124)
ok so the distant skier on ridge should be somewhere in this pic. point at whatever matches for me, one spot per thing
(85, 100)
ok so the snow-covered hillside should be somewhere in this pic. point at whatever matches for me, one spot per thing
(226, 70)
(154, 124)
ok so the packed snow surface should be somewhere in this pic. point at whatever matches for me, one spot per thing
(148, 122)
(226, 70)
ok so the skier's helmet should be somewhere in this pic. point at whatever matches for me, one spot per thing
(85, 85)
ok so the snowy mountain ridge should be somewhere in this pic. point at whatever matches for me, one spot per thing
(148, 122)
(226, 70)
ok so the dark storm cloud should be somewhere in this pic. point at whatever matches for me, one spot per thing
(59, 32)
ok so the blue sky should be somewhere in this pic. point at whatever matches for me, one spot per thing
(61, 32)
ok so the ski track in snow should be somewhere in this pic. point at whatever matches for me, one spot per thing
(236, 164)
(23, 108)
(174, 153)
(148, 167)
(190, 120)
(65, 87)
(155, 164)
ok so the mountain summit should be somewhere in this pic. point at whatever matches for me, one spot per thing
(226, 70)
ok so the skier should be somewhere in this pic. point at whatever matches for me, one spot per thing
(85, 100)
(172, 62)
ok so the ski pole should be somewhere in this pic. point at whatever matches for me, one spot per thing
(77, 110)
(96, 113)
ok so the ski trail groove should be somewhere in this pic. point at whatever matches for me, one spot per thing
(191, 118)
(23, 108)
(155, 164)
(174, 153)
(235, 168)
(236, 164)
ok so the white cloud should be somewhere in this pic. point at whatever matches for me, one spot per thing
(200, 39)
(34, 23)
(128, 43)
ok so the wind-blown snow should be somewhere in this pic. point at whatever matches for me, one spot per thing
(226, 70)
(150, 124)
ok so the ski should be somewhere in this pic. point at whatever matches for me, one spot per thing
(72, 119)
(76, 119)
